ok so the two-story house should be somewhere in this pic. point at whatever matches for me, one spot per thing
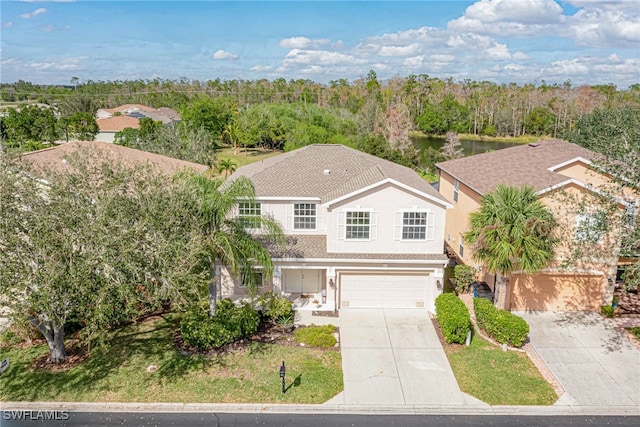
(567, 181)
(361, 231)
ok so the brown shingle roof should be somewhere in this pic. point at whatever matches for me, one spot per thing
(301, 173)
(55, 157)
(526, 164)
(117, 123)
(315, 247)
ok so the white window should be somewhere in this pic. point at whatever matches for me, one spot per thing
(304, 216)
(249, 214)
(247, 275)
(588, 228)
(461, 247)
(415, 225)
(358, 225)
(456, 190)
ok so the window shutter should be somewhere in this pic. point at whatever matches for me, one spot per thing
(431, 225)
(397, 234)
(342, 217)
(374, 226)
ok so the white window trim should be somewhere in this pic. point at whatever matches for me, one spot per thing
(579, 236)
(240, 216)
(260, 285)
(429, 226)
(461, 247)
(293, 216)
(373, 224)
(456, 190)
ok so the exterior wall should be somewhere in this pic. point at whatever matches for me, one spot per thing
(105, 136)
(231, 285)
(385, 201)
(282, 211)
(557, 291)
(457, 219)
(583, 173)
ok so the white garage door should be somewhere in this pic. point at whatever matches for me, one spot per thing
(402, 290)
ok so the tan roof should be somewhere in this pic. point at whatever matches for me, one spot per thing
(169, 112)
(526, 164)
(117, 123)
(127, 107)
(56, 157)
(315, 247)
(327, 171)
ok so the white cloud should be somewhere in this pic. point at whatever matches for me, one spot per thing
(520, 56)
(498, 52)
(38, 11)
(303, 43)
(62, 64)
(414, 62)
(409, 50)
(224, 55)
(602, 26)
(7, 24)
(261, 68)
(323, 57)
(566, 67)
(514, 67)
(511, 17)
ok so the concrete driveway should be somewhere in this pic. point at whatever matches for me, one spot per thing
(594, 364)
(394, 357)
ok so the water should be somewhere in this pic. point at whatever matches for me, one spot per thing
(469, 146)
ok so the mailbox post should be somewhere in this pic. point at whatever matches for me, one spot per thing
(283, 371)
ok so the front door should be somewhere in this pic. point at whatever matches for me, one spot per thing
(301, 281)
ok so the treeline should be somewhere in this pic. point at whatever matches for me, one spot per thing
(434, 105)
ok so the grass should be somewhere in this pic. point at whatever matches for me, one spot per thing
(118, 372)
(635, 331)
(497, 377)
(253, 155)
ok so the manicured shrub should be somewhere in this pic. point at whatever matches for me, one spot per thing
(464, 277)
(230, 324)
(316, 336)
(275, 307)
(607, 311)
(502, 325)
(453, 317)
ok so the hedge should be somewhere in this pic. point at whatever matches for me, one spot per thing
(453, 317)
(230, 324)
(501, 325)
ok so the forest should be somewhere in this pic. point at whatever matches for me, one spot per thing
(374, 116)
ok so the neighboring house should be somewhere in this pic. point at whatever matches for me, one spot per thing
(108, 127)
(113, 120)
(57, 157)
(559, 172)
(361, 231)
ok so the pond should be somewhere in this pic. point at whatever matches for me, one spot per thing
(469, 146)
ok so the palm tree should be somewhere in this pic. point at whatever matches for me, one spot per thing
(228, 242)
(226, 166)
(511, 229)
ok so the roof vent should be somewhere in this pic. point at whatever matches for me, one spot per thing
(327, 171)
(534, 144)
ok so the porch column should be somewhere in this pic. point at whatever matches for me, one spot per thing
(331, 286)
(277, 279)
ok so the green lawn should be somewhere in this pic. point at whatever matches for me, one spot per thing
(497, 377)
(252, 155)
(118, 372)
(635, 331)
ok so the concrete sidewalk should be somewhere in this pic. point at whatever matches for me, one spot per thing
(325, 408)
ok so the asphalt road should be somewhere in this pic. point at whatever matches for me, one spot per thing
(301, 420)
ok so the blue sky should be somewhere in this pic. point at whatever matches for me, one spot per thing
(521, 41)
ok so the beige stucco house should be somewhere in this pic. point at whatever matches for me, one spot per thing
(113, 120)
(361, 231)
(566, 180)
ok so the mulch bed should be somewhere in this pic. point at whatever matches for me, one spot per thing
(76, 354)
(453, 347)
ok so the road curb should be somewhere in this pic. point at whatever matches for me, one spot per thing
(325, 409)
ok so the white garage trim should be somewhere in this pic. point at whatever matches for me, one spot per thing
(403, 289)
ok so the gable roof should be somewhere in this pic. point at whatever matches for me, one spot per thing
(55, 157)
(329, 172)
(532, 164)
(117, 123)
(130, 107)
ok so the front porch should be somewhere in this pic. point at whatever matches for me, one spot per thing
(310, 302)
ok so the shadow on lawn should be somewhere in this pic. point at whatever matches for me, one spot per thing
(143, 343)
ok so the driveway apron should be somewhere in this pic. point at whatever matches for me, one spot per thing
(594, 364)
(393, 356)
